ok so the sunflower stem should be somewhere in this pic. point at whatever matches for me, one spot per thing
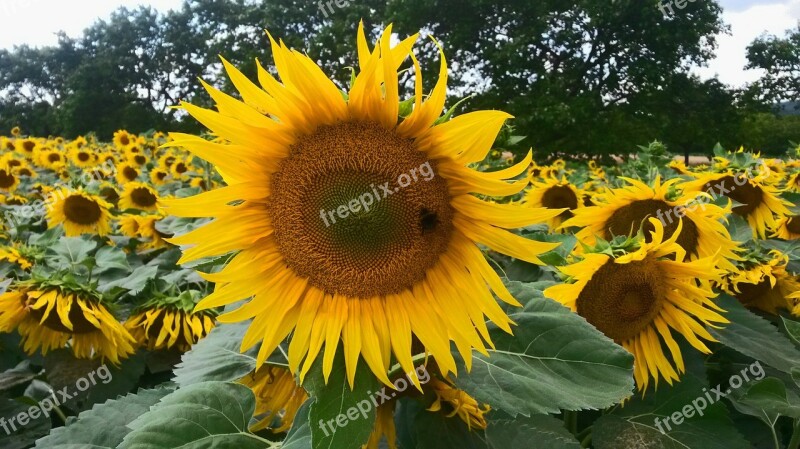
(60, 413)
(571, 421)
(794, 443)
(587, 440)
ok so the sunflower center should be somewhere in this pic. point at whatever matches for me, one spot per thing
(124, 140)
(181, 168)
(749, 195)
(54, 157)
(750, 294)
(80, 325)
(142, 197)
(140, 159)
(6, 179)
(83, 157)
(14, 163)
(627, 219)
(109, 194)
(81, 210)
(621, 300)
(28, 145)
(359, 211)
(130, 173)
(793, 225)
(559, 197)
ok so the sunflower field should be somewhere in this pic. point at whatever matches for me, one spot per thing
(361, 268)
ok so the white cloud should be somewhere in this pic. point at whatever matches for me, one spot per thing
(747, 24)
(35, 22)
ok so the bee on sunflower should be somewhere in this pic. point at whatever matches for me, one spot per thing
(57, 313)
(406, 268)
(165, 323)
(638, 291)
(80, 212)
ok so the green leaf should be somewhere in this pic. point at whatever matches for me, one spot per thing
(677, 409)
(69, 252)
(768, 399)
(347, 416)
(105, 425)
(299, 436)
(134, 283)
(792, 329)
(555, 360)
(99, 381)
(204, 415)
(755, 337)
(420, 429)
(217, 357)
(22, 424)
(739, 229)
(545, 430)
(20, 374)
(111, 257)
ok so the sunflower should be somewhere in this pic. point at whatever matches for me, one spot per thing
(679, 167)
(169, 323)
(123, 140)
(13, 255)
(144, 226)
(763, 283)
(635, 299)
(198, 182)
(8, 181)
(760, 199)
(178, 169)
(403, 270)
(138, 195)
(15, 131)
(81, 157)
(126, 173)
(80, 212)
(158, 176)
(26, 146)
(15, 200)
(793, 182)
(52, 159)
(52, 318)
(788, 228)
(278, 397)
(625, 210)
(555, 194)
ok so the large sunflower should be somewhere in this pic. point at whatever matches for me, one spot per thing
(318, 262)
(761, 204)
(625, 210)
(53, 318)
(79, 212)
(637, 297)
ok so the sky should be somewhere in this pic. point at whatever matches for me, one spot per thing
(35, 22)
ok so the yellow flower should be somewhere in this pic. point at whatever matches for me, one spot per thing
(51, 319)
(636, 298)
(165, 327)
(123, 140)
(138, 195)
(764, 285)
(8, 181)
(278, 397)
(79, 212)
(556, 194)
(404, 268)
(13, 255)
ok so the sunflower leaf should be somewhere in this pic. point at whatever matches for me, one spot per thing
(545, 430)
(755, 337)
(419, 428)
(674, 417)
(341, 417)
(105, 425)
(217, 357)
(21, 425)
(208, 414)
(555, 360)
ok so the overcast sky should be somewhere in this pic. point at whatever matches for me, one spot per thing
(35, 22)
